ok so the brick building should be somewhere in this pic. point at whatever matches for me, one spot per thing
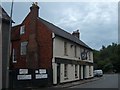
(42, 51)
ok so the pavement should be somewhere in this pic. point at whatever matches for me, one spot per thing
(75, 83)
(68, 85)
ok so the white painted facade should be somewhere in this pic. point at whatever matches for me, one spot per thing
(85, 71)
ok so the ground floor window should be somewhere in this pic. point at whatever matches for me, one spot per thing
(65, 70)
(76, 71)
(90, 71)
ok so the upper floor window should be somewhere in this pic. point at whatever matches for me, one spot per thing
(23, 48)
(80, 54)
(14, 56)
(65, 48)
(75, 51)
(89, 55)
(22, 30)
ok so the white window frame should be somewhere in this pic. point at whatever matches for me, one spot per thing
(14, 56)
(23, 48)
(22, 30)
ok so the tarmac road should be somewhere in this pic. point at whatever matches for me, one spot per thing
(107, 81)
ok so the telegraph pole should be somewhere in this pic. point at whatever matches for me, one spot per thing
(9, 44)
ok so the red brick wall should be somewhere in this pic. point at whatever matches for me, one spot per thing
(44, 36)
(39, 39)
(16, 41)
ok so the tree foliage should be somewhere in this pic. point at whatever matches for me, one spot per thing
(108, 58)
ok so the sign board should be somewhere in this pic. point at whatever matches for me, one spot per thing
(41, 76)
(41, 71)
(23, 71)
(24, 77)
(84, 56)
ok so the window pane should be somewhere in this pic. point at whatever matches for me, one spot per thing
(65, 48)
(65, 70)
(23, 48)
(76, 71)
(22, 30)
(14, 56)
(75, 51)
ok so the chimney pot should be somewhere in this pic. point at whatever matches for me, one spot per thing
(34, 10)
(76, 34)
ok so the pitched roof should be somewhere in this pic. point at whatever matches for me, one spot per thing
(4, 15)
(62, 33)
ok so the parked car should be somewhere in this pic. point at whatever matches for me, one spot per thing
(98, 73)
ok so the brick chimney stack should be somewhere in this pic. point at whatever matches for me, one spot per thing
(76, 34)
(35, 9)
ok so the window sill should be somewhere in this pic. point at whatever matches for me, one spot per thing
(65, 78)
(76, 76)
(14, 61)
(65, 55)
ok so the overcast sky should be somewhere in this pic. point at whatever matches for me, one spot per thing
(97, 21)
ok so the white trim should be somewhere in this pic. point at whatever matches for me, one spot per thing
(13, 56)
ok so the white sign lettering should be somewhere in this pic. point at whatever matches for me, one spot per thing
(23, 71)
(42, 71)
(24, 77)
(40, 76)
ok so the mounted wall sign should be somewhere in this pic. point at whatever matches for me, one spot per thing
(23, 71)
(41, 76)
(42, 71)
(24, 77)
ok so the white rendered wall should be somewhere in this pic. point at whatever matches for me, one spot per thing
(92, 71)
(71, 73)
(54, 73)
(58, 51)
(86, 71)
(81, 72)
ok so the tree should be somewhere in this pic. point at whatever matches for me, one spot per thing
(108, 58)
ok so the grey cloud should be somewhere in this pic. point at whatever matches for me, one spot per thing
(97, 21)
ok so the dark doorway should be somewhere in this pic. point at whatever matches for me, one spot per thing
(58, 73)
(79, 71)
(83, 71)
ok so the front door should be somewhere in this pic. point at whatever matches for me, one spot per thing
(83, 71)
(58, 73)
(79, 71)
